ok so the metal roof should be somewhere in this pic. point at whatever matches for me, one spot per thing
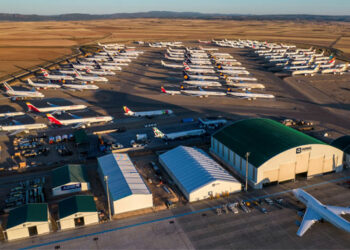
(193, 168)
(68, 173)
(123, 178)
(76, 204)
(263, 138)
(32, 212)
(342, 143)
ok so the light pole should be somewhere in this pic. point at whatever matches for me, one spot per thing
(109, 204)
(246, 171)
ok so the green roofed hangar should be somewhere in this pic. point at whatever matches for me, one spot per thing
(277, 153)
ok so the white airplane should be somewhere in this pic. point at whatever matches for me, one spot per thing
(226, 67)
(201, 83)
(152, 113)
(200, 70)
(337, 70)
(80, 86)
(178, 135)
(199, 77)
(82, 66)
(202, 93)
(316, 211)
(250, 96)
(54, 108)
(170, 92)
(55, 77)
(174, 58)
(11, 114)
(67, 71)
(22, 94)
(196, 66)
(18, 127)
(43, 85)
(234, 72)
(172, 65)
(306, 72)
(239, 79)
(78, 121)
(90, 78)
(100, 72)
(245, 85)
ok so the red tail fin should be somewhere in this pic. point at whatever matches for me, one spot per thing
(163, 90)
(53, 120)
(126, 109)
(31, 107)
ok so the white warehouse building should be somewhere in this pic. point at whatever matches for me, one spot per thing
(196, 174)
(127, 190)
(277, 153)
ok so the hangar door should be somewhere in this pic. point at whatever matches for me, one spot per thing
(271, 175)
(328, 165)
(287, 172)
(315, 166)
(302, 163)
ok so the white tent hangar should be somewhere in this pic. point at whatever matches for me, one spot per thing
(196, 174)
(128, 191)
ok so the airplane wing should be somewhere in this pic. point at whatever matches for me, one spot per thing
(16, 122)
(75, 116)
(52, 105)
(339, 210)
(18, 132)
(309, 219)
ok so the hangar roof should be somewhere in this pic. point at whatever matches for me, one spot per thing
(76, 204)
(193, 168)
(263, 138)
(68, 173)
(32, 212)
(123, 178)
(342, 143)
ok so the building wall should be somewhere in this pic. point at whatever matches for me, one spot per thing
(132, 203)
(311, 159)
(68, 222)
(213, 189)
(21, 231)
(84, 186)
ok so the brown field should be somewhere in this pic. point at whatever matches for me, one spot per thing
(25, 44)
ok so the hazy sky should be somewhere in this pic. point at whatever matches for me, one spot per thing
(48, 7)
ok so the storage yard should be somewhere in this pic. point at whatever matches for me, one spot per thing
(156, 138)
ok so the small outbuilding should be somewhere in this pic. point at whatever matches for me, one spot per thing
(275, 152)
(343, 143)
(76, 211)
(28, 220)
(68, 179)
(127, 190)
(196, 174)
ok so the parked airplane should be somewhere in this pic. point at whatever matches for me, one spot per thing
(56, 77)
(54, 108)
(250, 96)
(90, 78)
(233, 72)
(245, 85)
(22, 94)
(172, 65)
(152, 113)
(306, 72)
(100, 72)
(170, 92)
(202, 83)
(199, 77)
(18, 127)
(80, 86)
(11, 114)
(174, 58)
(337, 70)
(202, 93)
(239, 79)
(43, 85)
(78, 121)
(200, 70)
(316, 211)
(178, 135)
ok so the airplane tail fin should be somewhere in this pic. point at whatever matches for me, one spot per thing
(158, 133)
(53, 120)
(30, 82)
(162, 62)
(317, 68)
(44, 72)
(163, 90)
(127, 110)
(31, 107)
(8, 87)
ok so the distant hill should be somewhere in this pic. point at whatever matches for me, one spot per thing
(168, 14)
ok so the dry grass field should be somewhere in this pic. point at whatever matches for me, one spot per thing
(25, 44)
